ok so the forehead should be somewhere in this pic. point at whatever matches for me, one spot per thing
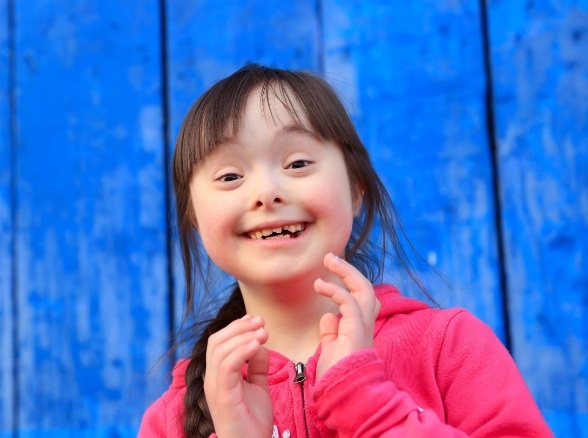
(273, 105)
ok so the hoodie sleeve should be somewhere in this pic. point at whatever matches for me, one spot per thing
(354, 399)
(484, 395)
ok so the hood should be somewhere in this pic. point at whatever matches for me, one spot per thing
(393, 303)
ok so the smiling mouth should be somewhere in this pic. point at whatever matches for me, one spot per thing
(287, 232)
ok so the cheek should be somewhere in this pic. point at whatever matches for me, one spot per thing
(334, 198)
(214, 234)
(335, 205)
(210, 231)
(212, 221)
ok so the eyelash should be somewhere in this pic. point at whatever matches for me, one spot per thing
(306, 163)
(226, 175)
(295, 165)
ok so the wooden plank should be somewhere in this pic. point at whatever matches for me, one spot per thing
(281, 34)
(540, 58)
(91, 224)
(6, 233)
(413, 76)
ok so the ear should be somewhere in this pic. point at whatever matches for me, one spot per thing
(357, 200)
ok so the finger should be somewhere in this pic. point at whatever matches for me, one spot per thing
(353, 330)
(347, 304)
(235, 328)
(217, 353)
(359, 286)
(353, 279)
(257, 371)
(238, 357)
(328, 327)
(229, 349)
(225, 377)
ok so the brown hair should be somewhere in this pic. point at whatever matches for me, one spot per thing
(220, 109)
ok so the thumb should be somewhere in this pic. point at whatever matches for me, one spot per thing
(328, 328)
(258, 368)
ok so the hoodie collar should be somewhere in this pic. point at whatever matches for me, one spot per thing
(282, 368)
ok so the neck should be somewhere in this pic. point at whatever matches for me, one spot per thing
(291, 316)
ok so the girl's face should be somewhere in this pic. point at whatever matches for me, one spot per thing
(271, 201)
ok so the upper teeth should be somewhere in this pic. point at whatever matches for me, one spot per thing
(269, 231)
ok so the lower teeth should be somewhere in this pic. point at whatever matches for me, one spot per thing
(280, 236)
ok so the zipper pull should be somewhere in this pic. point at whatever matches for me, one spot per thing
(300, 373)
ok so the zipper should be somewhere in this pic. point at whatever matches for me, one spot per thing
(299, 378)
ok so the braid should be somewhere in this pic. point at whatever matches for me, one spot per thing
(198, 422)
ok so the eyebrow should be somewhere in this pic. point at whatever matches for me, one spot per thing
(297, 129)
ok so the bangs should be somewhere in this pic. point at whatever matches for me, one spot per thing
(269, 93)
(216, 117)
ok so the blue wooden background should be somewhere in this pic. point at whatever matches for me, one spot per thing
(475, 114)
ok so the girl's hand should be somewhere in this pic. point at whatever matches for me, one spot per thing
(239, 408)
(359, 308)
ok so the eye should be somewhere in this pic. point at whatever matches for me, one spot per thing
(299, 164)
(228, 177)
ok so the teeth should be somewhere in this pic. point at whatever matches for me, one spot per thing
(278, 230)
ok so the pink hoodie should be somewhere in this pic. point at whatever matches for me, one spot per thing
(431, 373)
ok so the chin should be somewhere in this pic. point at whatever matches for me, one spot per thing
(284, 279)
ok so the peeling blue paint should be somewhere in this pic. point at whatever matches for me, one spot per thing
(91, 223)
(6, 230)
(539, 54)
(415, 84)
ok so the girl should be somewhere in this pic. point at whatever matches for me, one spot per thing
(271, 177)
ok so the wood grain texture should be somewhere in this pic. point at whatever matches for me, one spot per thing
(6, 305)
(540, 71)
(90, 229)
(209, 40)
(414, 81)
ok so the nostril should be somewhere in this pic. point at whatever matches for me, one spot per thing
(267, 203)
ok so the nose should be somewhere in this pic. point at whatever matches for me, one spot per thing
(267, 191)
(268, 203)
